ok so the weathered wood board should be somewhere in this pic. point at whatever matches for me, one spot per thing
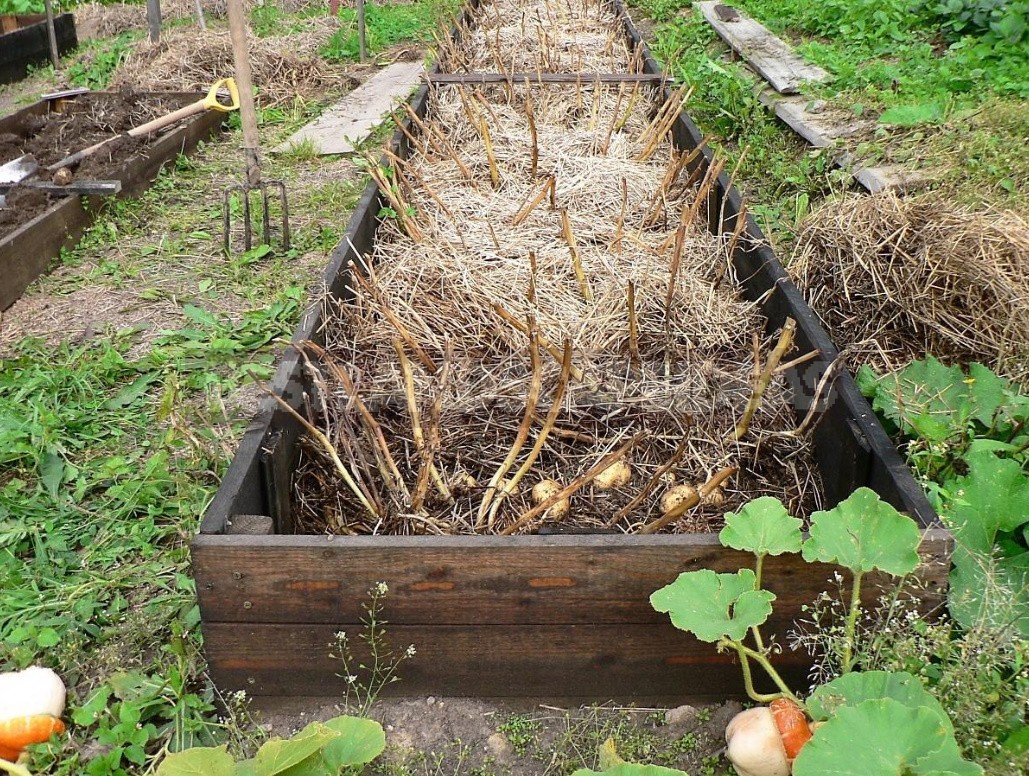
(26, 43)
(342, 128)
(763, 51)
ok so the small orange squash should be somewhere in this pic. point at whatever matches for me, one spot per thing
(792, 724)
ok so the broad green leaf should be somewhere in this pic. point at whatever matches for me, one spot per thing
(360, 741)
(882, 737)
(199, 315)
(200, 761)
(714, 606)
(278, 755)
(913, 115)
(993, 496)
(51, 472)
(860, 686)
(131, 392)
(864, 533)
(1018, 742)
(763, 527)
(993, 590)
(632, 769)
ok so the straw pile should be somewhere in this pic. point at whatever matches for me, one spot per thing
(93, 20)
(284, 68)
(550, 36)
(537, 312)
(898, 278)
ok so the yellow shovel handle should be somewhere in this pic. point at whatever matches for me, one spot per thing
(211, 100)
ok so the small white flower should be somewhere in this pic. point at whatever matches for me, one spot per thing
(381, 588)
(410, 651)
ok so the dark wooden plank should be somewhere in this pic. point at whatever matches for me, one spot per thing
(544, 78)
(98, 188)
(26, 253)
(30, 45)
(594, 662)
(486, 580)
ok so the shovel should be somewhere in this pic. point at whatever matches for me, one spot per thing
(20, 171)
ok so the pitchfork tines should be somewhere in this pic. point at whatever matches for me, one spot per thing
(269, 190)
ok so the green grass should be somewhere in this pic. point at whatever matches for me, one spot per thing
(387, 25)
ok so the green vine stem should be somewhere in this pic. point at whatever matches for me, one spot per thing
(852, 618)
(13, 768)
(758, 567)
(746, 653)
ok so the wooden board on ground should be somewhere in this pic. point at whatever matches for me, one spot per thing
(343, 126)
(804, 117)
(766, 53)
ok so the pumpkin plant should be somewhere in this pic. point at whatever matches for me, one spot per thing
(872, 723)
(320, 749)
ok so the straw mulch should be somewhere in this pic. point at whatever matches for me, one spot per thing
(899, 278)
(549, 36)
(284, 68)
(479, 290)
(93, 20)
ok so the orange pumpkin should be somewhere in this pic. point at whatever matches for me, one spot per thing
(19, 732)
(792, 724)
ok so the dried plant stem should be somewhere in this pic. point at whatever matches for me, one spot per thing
(544, 343)
(326, 444)
(548, 426)
(616, 241)
(761, 384)
(530, 117)
(386, 464)
(634, 332)
(580, 276)
(798, 361)
(397, 324)
(687, 504)
(442, 145)
(823, 386)
(396, 201)
(673, 107)
(535, 385)
(648, 488)
(422, 482)
(487, 140)
(575, 485)
(524, 212)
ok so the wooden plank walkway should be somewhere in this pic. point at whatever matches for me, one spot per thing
(762, 50)
(343, 126)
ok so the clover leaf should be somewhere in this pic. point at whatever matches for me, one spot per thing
(864, 533)
(714, 606)
(882, 737)
(762, 527)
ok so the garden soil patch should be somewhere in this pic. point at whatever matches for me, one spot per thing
(82, 122)
(507, 738)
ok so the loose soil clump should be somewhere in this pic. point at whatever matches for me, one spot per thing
(78, 124)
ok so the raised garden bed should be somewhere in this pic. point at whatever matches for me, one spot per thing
(25, 43)
(34, 227)
(537, 614)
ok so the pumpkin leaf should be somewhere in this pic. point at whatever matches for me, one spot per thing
(714, 606)
(199, 761)
(860, 686)
(279, 755)
(863, 534)
(359, 741)
(882, 737)
(763, 527)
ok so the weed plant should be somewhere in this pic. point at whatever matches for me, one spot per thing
(387, 25)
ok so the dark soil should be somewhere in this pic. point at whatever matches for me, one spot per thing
(72, 126)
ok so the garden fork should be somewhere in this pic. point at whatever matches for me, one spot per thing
(269, 190)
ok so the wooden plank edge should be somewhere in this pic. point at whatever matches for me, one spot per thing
(785, 71)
